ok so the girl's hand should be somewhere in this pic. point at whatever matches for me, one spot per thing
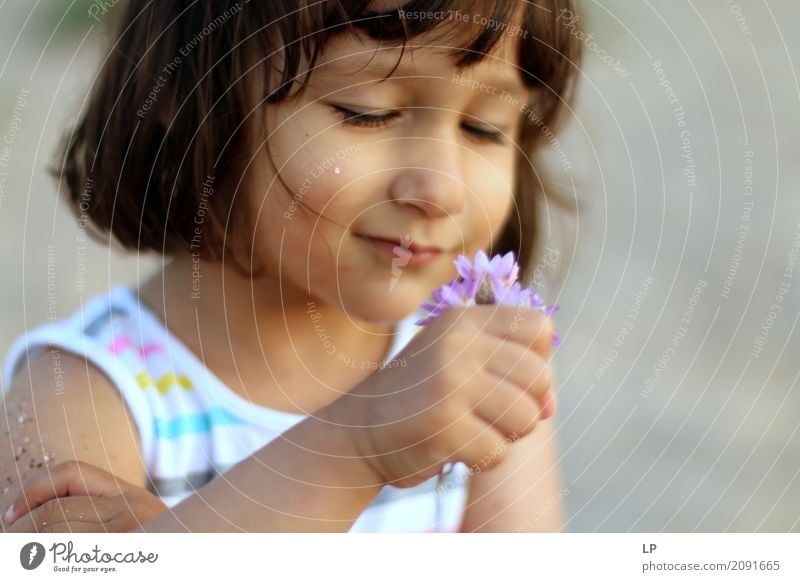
(77, 497)
(475, 379)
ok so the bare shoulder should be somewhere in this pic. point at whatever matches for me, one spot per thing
(60, 407)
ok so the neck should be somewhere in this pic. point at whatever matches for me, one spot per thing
(253, 333)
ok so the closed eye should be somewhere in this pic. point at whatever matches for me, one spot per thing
(350, 117)
(361, 119)
(484, 134)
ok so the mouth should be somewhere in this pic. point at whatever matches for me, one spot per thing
(403, 252)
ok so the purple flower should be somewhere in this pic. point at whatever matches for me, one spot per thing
(485, 282)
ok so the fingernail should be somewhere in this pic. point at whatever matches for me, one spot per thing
(8, 515)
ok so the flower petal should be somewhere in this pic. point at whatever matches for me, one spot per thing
(464, 267)
(481, 262)
(556, 339)
(509, 267)
(485, 281)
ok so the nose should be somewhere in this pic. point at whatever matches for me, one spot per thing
(430, 178)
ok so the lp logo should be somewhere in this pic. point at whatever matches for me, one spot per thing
(31, 555)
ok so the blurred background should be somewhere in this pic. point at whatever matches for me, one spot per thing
(677, 379)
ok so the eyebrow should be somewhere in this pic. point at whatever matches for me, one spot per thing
(507, 83)
(510, 83)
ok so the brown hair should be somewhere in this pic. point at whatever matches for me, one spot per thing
(167, 130)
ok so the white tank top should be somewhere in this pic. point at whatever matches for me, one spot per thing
(193, 427)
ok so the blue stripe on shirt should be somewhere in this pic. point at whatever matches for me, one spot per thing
(193, 423)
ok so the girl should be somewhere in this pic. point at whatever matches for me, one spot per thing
(312, 169)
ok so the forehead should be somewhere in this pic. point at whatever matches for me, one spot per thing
(355, 57)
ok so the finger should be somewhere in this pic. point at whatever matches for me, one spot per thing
(483, 444)
(528, 327)
(549, 404)
(524, 368)
(506, 408)
(64, 509)
(63, 480)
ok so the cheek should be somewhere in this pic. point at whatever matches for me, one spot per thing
(305, 218)
(494, 205)
(315, 169)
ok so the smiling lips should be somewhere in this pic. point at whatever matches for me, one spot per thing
(407, 253)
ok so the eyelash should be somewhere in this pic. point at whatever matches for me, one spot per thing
(353, 118)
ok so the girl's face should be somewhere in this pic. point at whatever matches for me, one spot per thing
(428, 163)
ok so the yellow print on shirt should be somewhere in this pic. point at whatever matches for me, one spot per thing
(165, 383)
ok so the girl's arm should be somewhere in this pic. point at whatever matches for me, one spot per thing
(309, 479)
(45, 420)
(523, 493)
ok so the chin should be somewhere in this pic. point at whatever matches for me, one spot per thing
(381, 312)
(383, 305)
